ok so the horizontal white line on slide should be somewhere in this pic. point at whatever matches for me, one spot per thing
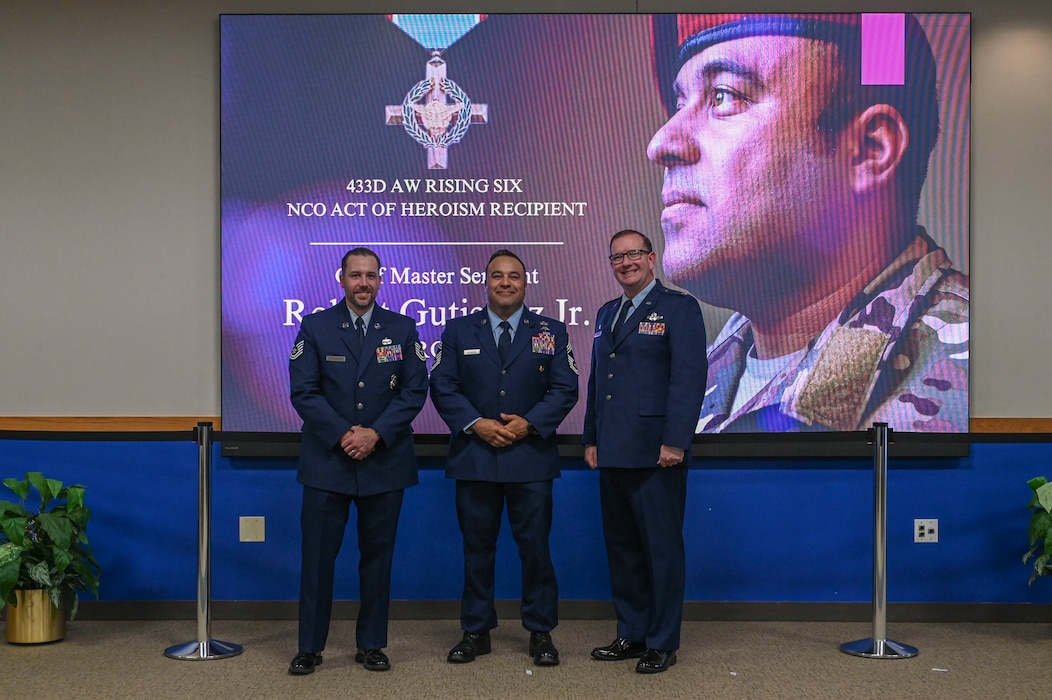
(436, 243)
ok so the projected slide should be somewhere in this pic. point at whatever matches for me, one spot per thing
(831, 261)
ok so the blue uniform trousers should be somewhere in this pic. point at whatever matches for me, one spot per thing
(643, 511)
(480, 505)
(324, 521)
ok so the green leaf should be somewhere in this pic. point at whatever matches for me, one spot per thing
(54, 489)
(14, 530)
(41, 485)
(63, 557)
(21, 488)
(75, 497)
(1040, 522)
(58, 528)
(9, 552)
(41, 574)
(79, 516)
(8, 509)
(9, 579)
(1039, 569)
(1036, 482)
(1044, 496)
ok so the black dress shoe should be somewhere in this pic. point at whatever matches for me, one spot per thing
(373, 659)
(304, 663)
(619, 649)
(542, 650)
(655, 661)
(470, 646)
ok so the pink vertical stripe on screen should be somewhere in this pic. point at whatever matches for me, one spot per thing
(883, 48)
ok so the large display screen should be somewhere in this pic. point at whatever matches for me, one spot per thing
(769, 186)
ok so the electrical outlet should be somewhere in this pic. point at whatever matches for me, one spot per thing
(253, 529)
(925, 530)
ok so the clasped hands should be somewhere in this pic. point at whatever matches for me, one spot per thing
(359, 442)
(504, 432)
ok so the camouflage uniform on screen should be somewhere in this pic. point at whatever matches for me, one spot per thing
(898, 353)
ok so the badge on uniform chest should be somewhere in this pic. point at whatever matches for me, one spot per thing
(651, 328)
(544, 343)
(389, 353)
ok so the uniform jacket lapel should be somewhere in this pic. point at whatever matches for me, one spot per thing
(373, 335)
(527, 327)
(484, 337)
(345, 329)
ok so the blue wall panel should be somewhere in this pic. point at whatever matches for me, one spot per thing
(793, 530)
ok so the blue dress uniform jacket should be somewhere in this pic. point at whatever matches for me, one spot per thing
(336, 385)
(647, 384)
(538, 382)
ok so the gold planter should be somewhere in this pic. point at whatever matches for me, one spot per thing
(35, 620)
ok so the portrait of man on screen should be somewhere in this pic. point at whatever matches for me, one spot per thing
(791, 196)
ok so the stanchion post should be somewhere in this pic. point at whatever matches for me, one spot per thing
(879, 646)
(204, 647)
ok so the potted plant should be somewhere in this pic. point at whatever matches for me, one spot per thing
(1040, 528)
(45, 557)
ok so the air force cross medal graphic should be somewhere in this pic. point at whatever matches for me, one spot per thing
(436, 112)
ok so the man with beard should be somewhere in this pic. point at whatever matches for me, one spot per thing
(358, 379)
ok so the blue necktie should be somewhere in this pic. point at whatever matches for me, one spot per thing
(359, 326)
(625, 311)
(504, 342)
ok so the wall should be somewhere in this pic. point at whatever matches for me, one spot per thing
(109, 281)
(757, 530)
(109, 239)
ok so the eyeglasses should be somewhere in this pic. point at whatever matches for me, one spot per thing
(632, 255)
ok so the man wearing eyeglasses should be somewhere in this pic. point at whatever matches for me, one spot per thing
(645, 389)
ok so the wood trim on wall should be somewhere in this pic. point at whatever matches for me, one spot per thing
(137, 424)
(1010, 425)
(105, 424)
